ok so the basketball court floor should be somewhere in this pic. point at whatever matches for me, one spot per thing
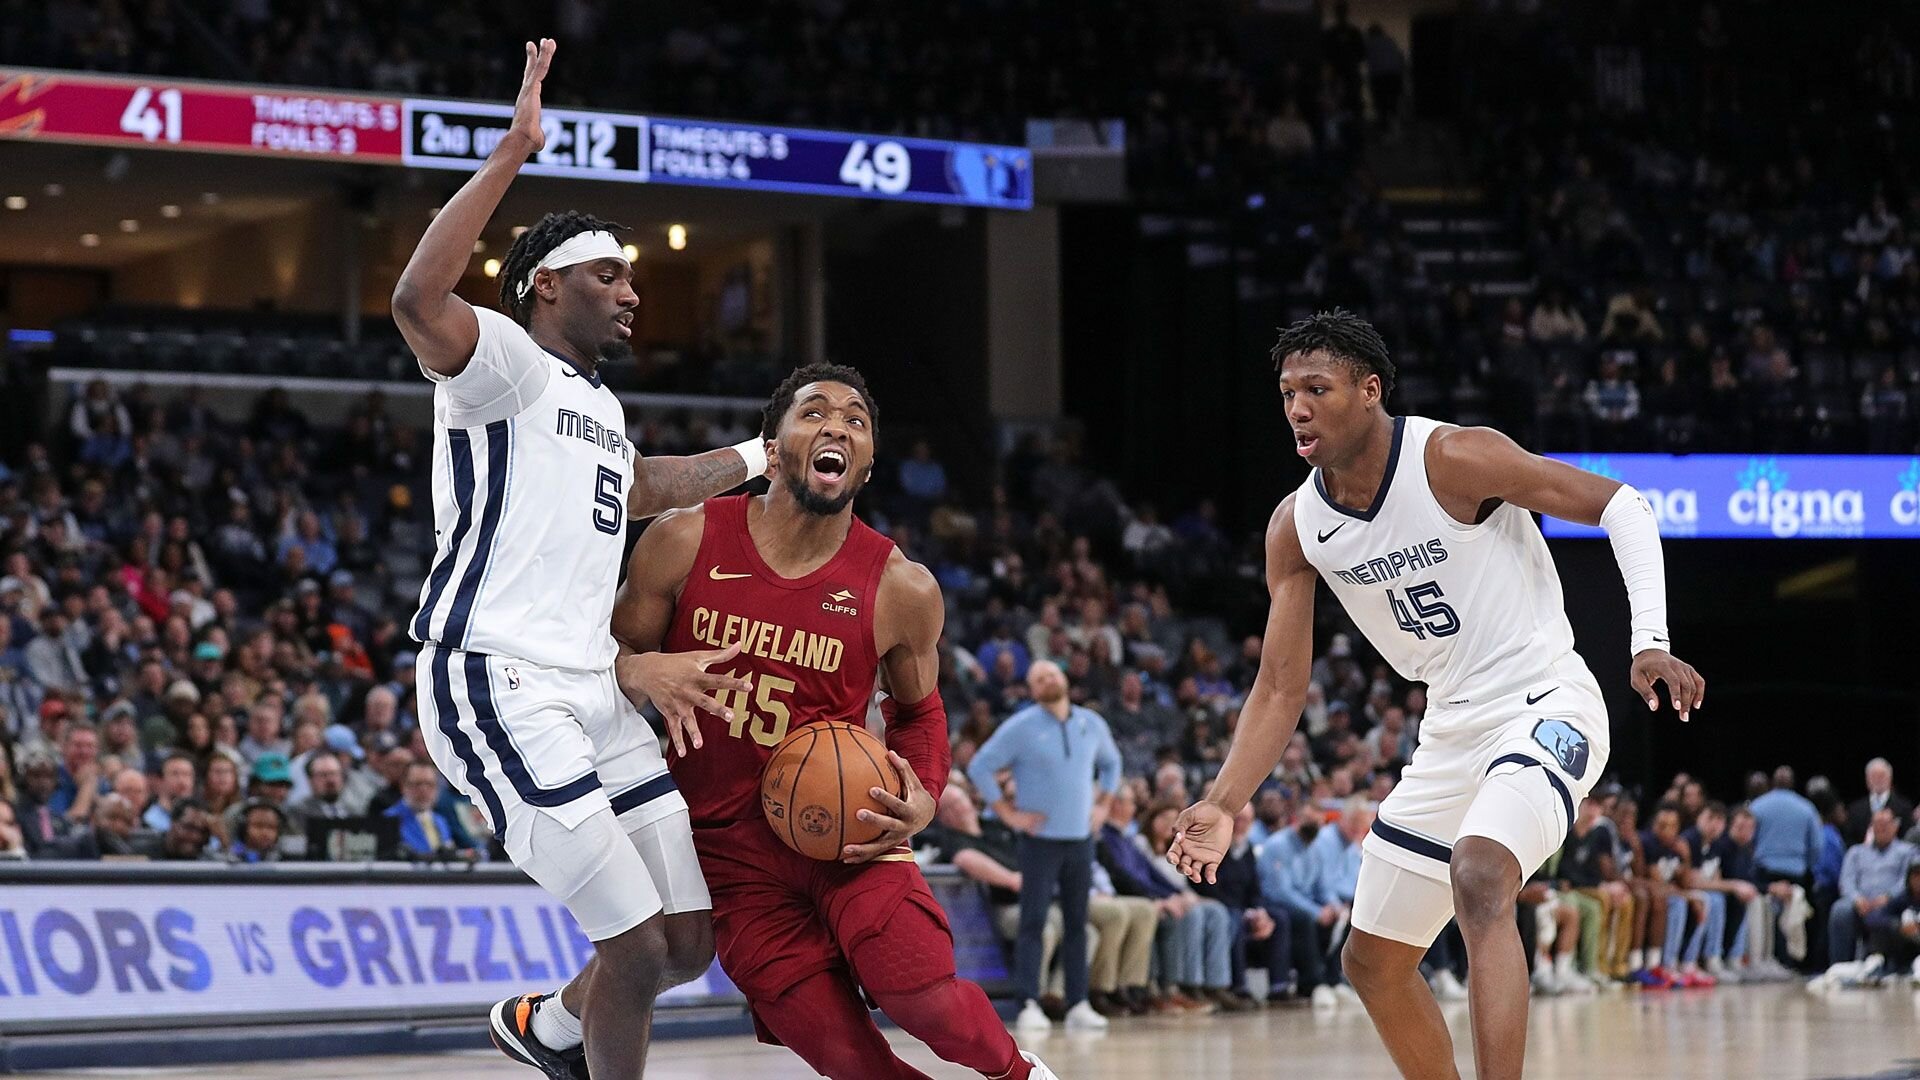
(1748, 1033)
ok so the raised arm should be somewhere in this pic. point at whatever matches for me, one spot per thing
(1272, 710)
(439, 327)
(1469, 467)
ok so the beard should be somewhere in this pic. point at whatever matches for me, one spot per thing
(810, 500)
(1308, 830)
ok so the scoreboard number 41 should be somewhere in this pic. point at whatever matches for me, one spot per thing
(886, 169)
(152, 123)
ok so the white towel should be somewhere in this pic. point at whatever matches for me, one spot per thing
(1793, 923)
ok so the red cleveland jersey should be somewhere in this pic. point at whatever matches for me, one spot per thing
(807, 649)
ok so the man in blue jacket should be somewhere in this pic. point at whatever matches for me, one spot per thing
(1059, 753)
(423, 831)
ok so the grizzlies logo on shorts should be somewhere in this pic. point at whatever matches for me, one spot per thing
(1565, 742)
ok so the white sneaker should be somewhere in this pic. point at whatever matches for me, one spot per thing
(1446, 986)
(1544, 984)
(1032, 1018)
(1040, 1070)
(1082, 1018)
(1576, 983)
(1323, 997)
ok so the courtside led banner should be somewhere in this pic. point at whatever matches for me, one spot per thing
(130, 946)
(104, 952)
(58, 106)
(1774, 496)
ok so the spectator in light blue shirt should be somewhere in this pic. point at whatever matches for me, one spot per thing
(1298, 886)
(921, 476)
(1786, 840)
(1339, 847)
(1059, 753)
(1873, 873)
(1003, 641)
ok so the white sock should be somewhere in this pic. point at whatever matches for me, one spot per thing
(555, 1027)
(1637, 960)
(1563, 965)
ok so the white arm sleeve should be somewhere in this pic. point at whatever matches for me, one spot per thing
(508, 372)
(1635, 536)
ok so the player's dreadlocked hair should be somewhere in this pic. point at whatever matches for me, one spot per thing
(532, 246)
(1344, 336)
(782, 399)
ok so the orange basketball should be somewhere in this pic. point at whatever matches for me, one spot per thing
(818, 779)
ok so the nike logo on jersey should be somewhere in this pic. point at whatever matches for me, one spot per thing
(716, 575)
(1531, 700)
(1328, 535)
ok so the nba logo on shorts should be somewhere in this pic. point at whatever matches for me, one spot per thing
(1565, 742)
(513, 677)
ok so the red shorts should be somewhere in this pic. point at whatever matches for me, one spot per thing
(779, 917)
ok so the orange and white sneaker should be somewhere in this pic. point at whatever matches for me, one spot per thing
(510, 1022)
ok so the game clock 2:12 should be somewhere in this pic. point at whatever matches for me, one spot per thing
(460, 135)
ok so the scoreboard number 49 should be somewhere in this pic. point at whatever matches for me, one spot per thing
(886, 169)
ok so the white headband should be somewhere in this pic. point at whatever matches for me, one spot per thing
(574, 250)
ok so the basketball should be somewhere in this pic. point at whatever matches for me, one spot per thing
(818, 779)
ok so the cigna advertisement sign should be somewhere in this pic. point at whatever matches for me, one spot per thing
(1776, 496)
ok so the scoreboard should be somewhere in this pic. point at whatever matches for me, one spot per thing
(55, 106)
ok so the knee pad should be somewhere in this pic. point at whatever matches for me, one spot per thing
(592, 868)
(914, 952)
(1523, 808)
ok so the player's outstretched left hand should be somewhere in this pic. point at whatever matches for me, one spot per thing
(682, 688)
(1684, 685)
(909, 815)
(1201, 835)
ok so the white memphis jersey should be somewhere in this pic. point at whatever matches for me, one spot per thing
(531, 469)
(1470, 610)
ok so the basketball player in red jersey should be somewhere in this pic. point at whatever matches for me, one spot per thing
(822, 607)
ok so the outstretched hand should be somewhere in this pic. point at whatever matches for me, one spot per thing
(526, 107)
(1201, 836)
(681, 687)
(1684, 685)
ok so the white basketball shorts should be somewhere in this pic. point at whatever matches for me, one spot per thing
(570, 778)
(1511, 767)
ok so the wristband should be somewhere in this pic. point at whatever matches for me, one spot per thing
(754, 453)
(1635, 536)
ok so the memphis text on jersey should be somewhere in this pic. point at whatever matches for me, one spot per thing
(575, 426)
(802, 648)
(1384, 568)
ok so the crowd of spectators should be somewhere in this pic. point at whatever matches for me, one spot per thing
(1714, 232)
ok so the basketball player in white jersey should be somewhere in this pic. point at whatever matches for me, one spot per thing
(521, 704)
(1423, 532)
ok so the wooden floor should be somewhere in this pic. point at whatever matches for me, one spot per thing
(1747, 1033)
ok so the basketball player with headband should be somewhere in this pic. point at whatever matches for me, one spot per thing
(521, 702)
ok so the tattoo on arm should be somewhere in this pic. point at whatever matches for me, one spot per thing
(666, 483)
